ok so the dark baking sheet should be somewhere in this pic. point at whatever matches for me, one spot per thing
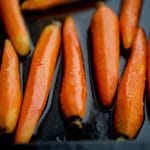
(52, 131)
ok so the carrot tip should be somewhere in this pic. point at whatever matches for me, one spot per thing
(23, 5)
(57, 23)
(121, 139)
(98, 4)
(128, 43)
(76, 123)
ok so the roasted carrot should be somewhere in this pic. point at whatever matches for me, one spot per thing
(15, 26)
(129, 18)
(39, 82)
(105, 54)
(73, 90)
(129, 113)
(10, 89)
(42, 4)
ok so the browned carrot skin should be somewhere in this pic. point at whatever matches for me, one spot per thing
(10, 95)
(129, 19)
(15, 26)
(129, 113)
(73, 90)
(43, 4)
(39, 82)
(105, 42)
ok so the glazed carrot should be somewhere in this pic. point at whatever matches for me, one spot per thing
(14, 25)
(129, 18)
(10, 89)
(129, 113)
(73, 90)
(39, 82)
(105, 42)
(42, 4)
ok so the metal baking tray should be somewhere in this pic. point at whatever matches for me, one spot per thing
(51, 131)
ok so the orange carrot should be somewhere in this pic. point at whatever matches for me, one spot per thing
(129, 19)
(42, 4)
(10, 89)
(73, 90)
(129, 113)
(105, 42)
(39, 82)
(14, 25)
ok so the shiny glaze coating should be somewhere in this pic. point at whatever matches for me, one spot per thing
(129, 113)
(10, 89)
(105, 53)
(15, 26)
(73, 90)
(39, 82)
(129, 19)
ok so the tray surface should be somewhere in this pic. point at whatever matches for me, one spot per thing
(98, 130)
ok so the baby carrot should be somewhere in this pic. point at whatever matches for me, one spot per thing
(129, 113)
(39, 82)
(10, 89)
(42, 4)
(105, 42)
(15, 26)
(129, 18)
(73, 90)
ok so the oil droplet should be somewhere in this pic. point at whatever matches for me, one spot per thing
(60, 138)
